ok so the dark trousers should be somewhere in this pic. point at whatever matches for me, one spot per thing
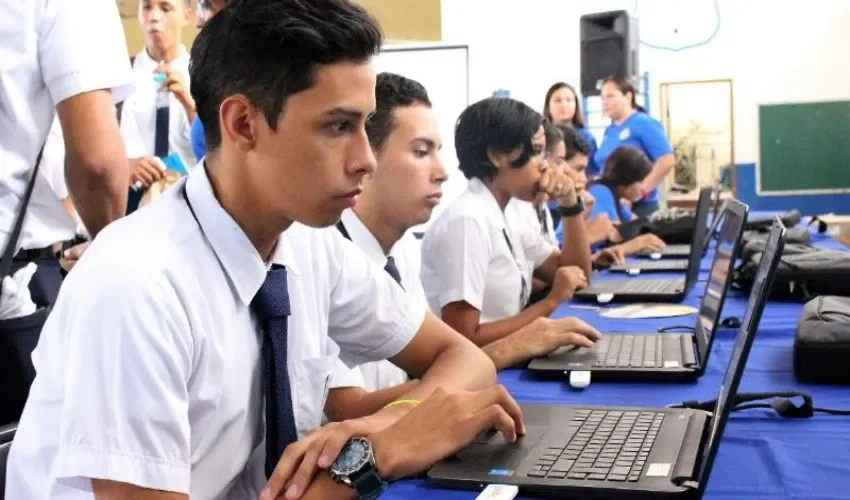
(19, 336)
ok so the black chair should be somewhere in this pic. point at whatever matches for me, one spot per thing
(7, 433)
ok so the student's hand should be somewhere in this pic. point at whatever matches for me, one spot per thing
(544, 335)
(589, 203)
(317, 450)
(70, 256)
(442, 425)
(614, 235)
(558, 186)
(567, 280)
(609, 256)
(626, 203)
(145, 171)
(649, 243)
(175, 84)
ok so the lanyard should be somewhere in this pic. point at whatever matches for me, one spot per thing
(523, 299)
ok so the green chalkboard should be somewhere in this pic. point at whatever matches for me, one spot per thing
(804, 147)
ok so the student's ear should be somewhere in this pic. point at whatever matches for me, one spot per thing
(499, 160)
(238, 120)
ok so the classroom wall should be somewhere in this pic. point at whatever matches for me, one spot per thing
(395, 16)
(774, 50)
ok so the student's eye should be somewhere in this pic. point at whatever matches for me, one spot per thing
(340, 127)
(421, 153)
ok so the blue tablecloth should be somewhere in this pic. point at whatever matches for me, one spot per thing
(762, 457)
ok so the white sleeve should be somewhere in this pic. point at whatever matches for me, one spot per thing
(343, 376)
(81, 48)
(125, 415)
(537, 247)
(461, 257)
(53, 161)
(522, 220)
(371, 317)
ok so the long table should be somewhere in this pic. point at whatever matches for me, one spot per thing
(762, 456)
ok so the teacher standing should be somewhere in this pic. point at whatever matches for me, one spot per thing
(632, 126)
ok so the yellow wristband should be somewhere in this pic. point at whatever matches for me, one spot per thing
(412, 402)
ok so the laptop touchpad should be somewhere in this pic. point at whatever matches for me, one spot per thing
(491, 446)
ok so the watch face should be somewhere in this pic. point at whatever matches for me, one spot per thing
(352, 457)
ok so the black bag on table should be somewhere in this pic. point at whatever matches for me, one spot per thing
(803, 272)
(789, 219)
(753, 242)
(822, 341)
(672, 226)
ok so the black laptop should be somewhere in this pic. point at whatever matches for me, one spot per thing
(660, 356)
(682, 251)
(613, 452)
(671, 265)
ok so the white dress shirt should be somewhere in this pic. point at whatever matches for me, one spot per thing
(138, 116)
(381, 374)
(148, 368)
(53, 54)
(523, 219)
(466, 257)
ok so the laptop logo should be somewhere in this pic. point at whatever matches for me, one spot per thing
(500, 472)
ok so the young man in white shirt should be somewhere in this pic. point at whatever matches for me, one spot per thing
(152, 131)
(52, 62)
(194, 341)
(406, 141)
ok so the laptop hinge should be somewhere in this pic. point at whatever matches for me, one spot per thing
(687, 343)
(688, 458)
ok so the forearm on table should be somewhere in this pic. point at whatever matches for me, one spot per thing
(487, 333)
(345, 403)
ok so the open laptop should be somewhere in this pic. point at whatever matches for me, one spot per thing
(670, 265)
(658, 290)
(614, 452)
(677, 251)
(660, 356)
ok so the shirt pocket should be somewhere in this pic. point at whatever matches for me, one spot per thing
(313, 376)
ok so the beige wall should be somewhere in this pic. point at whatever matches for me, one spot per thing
(396, 18)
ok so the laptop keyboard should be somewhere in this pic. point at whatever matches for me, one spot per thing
(636, 351)
(601, 445)
(649, 286)
(672, 265)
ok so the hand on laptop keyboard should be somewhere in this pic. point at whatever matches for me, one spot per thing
(544, 335)
(440, 426)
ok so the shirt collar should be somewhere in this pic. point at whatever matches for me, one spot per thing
(143, 60)
(363, 238)
(488, 202)
(234, 251)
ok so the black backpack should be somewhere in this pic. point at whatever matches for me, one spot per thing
(803, 272)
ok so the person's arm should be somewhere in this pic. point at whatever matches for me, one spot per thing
(85, 75)
(96, 168)
(345, 403)
(541, 337)
(598, 229)
(575, 250)
(466, 319)
(111, 490)
(658, 149)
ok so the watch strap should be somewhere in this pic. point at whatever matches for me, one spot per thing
(573, 210)
(367, 483)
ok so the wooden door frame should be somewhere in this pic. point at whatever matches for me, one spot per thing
(665, 118)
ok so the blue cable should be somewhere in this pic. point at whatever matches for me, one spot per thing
(686, 47)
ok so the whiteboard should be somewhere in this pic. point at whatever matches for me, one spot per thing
(444, 72)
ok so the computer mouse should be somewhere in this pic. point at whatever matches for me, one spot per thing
(579, 379)
(604, 298)
(655, 255)
(633, 271)
(731, 322)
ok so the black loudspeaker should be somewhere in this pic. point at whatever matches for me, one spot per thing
(609, 46)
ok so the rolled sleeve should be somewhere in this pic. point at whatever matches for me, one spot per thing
(126, 411)
(76, 58)
(343, 376)
(371, 317)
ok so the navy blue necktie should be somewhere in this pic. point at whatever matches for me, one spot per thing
(392, 269)
(160, 150)
(271, 305)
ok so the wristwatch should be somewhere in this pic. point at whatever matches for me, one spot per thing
(573, 210)
(355, 467)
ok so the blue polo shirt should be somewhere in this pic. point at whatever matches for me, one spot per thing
(640, 131)
(196, 137)
(592, 170)
(606, 204)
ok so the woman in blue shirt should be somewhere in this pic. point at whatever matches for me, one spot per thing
(562, 107)
(631, 126)
(623, 175)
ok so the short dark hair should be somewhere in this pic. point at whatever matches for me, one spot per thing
(553, 135)
(269, 50)
(392, 91)
(574, 142)
(497, 124)
(578, 117)
(625, 166)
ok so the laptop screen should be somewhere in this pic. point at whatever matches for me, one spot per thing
(743, 343)
(699, 234)
(719, 275)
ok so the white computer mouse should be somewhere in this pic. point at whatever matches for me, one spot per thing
(634, 271)
(604, 298)
(655, 255)
(579, 379)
